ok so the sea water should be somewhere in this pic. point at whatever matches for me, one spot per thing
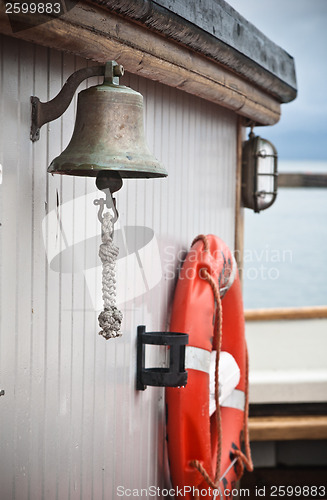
(285, 247)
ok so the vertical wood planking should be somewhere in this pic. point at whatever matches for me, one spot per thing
(24, 282)
(39, 286)
(9, 324)
(68, 362)
(3, 444)
(80, 428)
(52, 330)
(79, 486)
(239, 209)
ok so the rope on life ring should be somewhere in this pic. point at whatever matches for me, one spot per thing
(214, 273)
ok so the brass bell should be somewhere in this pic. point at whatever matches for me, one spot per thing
(108, 134)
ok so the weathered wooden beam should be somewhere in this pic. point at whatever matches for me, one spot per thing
(214, 29)
(287, 428)
(296, 180)
(97, 34)
(282, 313)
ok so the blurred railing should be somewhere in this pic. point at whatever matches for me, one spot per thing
(296, 180)
(313, 312)
(288, 368)
(287, 357)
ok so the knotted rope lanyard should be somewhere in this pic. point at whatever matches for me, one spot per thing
(242, 459)
(110, 318)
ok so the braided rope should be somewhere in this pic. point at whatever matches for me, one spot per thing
(243, 459)
(110, 318)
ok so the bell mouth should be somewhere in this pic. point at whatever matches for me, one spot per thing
(138, 170)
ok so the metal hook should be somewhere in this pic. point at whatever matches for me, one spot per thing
(100, 202)
(110, 203)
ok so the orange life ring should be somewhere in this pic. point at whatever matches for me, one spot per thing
(205, 452)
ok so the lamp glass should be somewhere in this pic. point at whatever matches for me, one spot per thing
(266, 159)
(259, 173)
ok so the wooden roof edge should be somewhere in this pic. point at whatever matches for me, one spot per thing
(217, 31)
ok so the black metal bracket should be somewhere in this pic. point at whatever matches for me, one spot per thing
(44, 112)
(173, 376)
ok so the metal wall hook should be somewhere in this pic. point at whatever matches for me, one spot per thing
(100, 202)
(110, 203)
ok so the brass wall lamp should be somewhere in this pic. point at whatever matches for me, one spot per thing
(259, 173)
(108, 141)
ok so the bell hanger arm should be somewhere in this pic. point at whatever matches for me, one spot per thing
(44, 112)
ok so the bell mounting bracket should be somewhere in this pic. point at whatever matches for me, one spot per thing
(173, 376)
(45, 112)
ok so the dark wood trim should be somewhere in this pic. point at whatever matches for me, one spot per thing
(287, 409)
(263, 482)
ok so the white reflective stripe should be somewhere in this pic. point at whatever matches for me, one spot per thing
(235, 400)
(229, 377)
(197, 359)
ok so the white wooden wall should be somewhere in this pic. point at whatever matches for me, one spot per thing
(72, 425)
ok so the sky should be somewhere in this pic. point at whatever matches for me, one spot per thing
(300, 28)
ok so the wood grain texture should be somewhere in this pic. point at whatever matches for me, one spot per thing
(217, 31)
(287, 428)
(96, 34)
